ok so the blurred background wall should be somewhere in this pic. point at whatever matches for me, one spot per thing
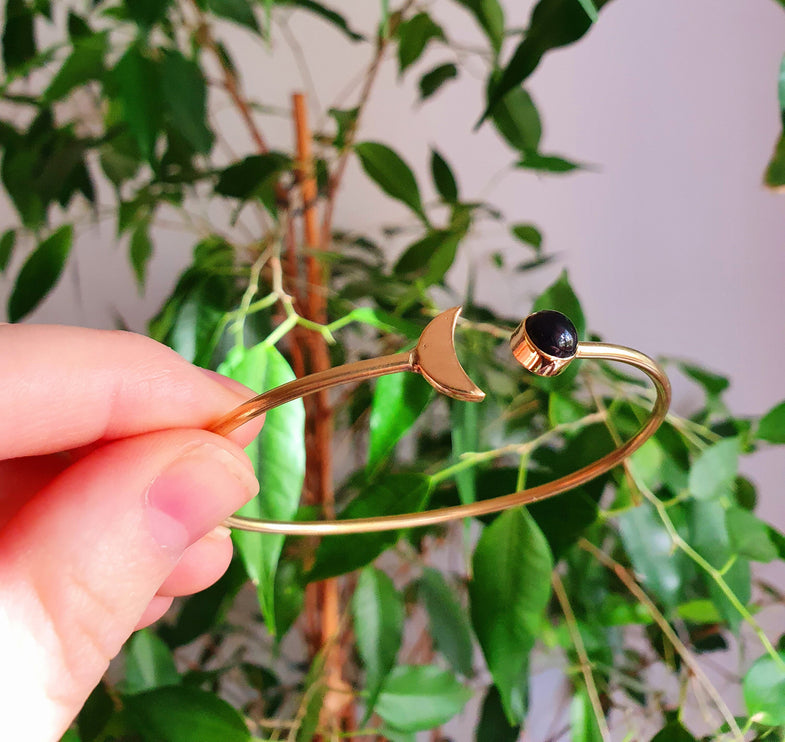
(670, 239)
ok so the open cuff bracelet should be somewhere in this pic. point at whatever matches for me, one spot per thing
(544, 343)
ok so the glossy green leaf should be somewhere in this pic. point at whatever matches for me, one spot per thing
(673, 732)
(590, 8)
(398, 400)
(378, 614)
(771, 427)
(493, 724)
(85, 63)
(516, 118)
(182, 714)
(561, 297)
(326, 14)
(18, 35)
(239, 11)
(282, 440)
(714, 472)
(774, 176)
(147, 12)
(553, 23)
(7, 244)
(583, 721)
(40, 273)
(430, 257)
(528, 234)
(137, 81)
(651, 552)
(443, 178)
(413, 36)
(490, 16)
(248, 177)
(184, 96)
(140, 252)
(396, 493)
(764, 690)
(749, 535)
(418, 697)
(431, 81)
(391, 174)
(465, 435)
(148, 663)
(447, 621)
(708, 535)
(547, 163)
(508, 593)
(714, 384)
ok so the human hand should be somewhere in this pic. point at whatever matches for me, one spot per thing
(110, 494)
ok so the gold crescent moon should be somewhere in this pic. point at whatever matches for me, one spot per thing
(435, 359)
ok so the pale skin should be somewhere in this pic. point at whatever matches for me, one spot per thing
(111, 496)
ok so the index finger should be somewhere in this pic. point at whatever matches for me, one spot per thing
(64, 387)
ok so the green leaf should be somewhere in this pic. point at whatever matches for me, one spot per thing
(182, 714)
(413, 36)
(516, 118)
(431, 81)
(547, 163)
(418, 697)
(7, 244)
(40, 273)
(673, 732)
(185, 99)
(148, 663)
(493, 724)
(590, 8)
(771, 427)
(651, 552)
(315, 689)
(775, 171)
(398, 400)
(708, 535)
(147, 13)
(490, 16)
(465, 434)
(85, 63)
(508, 594)
(529, 234)
(447, 621)
(553, 23)
(95, 714)
(764, 690)
(136, 79)
(71, 735)
(282, 440)
(391, 174)
(18, 35)
(77, 27)
(248, 178)
(239, 11)
(713, 384)
(443, 178)
(377, 611)
(561, 297)
(397, 493)
(140, 252)
(749, 536)
(583, 722)
(713, 473)
(345, 121)
(326, 14)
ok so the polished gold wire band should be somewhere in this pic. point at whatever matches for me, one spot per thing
(435, 359)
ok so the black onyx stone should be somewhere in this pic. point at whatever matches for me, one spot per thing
(552, 333)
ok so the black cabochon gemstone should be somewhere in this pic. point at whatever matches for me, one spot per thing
(552, 333)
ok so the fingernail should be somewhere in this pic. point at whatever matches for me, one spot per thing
(195, 493)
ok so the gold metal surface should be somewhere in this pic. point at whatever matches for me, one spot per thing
(435, 359)
(532, 358)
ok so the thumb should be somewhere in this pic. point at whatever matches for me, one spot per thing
(81, 560)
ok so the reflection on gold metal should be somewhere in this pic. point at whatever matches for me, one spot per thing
(544, 352)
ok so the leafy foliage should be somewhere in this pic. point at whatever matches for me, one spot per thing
(677, 523)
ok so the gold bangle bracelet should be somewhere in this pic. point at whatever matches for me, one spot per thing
(544, 343)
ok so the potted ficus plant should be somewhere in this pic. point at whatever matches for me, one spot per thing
(114, 104)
